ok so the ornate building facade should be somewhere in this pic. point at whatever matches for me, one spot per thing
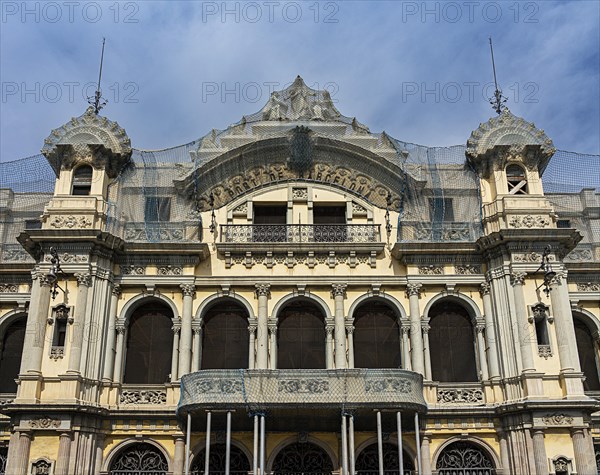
(296, 294)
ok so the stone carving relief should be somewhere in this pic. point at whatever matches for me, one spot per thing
(133, 270)
(157, 396)
(170, 270)
(310, 386)
(358, 210)
(66, 258)
(557, 419)
(544, 351)
(531, 257)
(70, 222)
(384, 385)
(15, 254)
(228, 386)
(42, 466)
(561, 464)
(44, 422)
(241, 209)
(57, 353)
(578, 255)
(467, 269)
(529, 222)
(459, 395)
(431, 270)
(9, 288)
(588, 286)
(300, 194)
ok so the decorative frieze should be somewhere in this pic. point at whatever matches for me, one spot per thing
(545, 351)
(384, 385)
(311, 386)
(9, 288)
(588, 286)
(57, 353)
(15, 254)
(70, 222)
(529, 221)
(133, 269)
(459, 396)
(170, 270)
(431, 270)
(227, 386)
(143, 396)
(557, 419)
(467, 270)
(291, 259)
(44, 422)
(579, 255)
(535, 257)
(66, 258)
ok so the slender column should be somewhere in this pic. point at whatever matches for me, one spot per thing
(207, 447)
(504, 456)
(118, 369)
(35, 334)
(329, 363)
(252, 344)
(185, 339)
(109, 363)
(405, 329)
(344, 445)
(426, 455)
(523, 326)
(339, 293)
(350, 333)
(584, 459)
(272, 331)
(22, 461)
(425, 329)
(255, 446)
(228, 444)
(418, 443)
(479, 329)
(490, 331)
(262, 352)
(13, 449)
(379, 444)
(196, 347)
(84, 283)
(188, 434)
(179, 458)
(539, 451)
(400, 449)
(175, 352)
(351, 443)
(263, 469)
(64, 451)
(563, 319)
(416, 338)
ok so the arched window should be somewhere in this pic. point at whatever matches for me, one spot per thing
(10, 355)
(464, 455)
(238, 462)
(302, 458)
(451, 343)
(82, 180)
(376, 336)
(149, 343)
(225, 327)
(367, 462)
(139, 459)
(3, 459)
(588, 355)
(517, 180)
(301, 336)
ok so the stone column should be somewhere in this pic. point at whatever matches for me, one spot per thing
(405, 330)
(350, 333)
(563, 321)
(118, 369)
(479, 329)
(35, 334)
(504, 455)
(425, 332)
(252, 326)
(185, 339)
(179, 458)
(426, 454)
(339, 292)
(490, 331)
(272, 332)
(329, 330)
(100, 438)
(196, 347)
(21, 464)
(110, 351)
(585, 460)
(523, 326)
(262, 337)
(84, 283)
(539, 451)
(416, 338)
(175, 353)
(64, 452)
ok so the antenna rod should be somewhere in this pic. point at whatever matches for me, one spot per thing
(491, 49)
(98, 102)
(102, 61)
(499, 100)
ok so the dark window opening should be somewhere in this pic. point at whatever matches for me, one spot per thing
(441, 210)
(376, 336)
(82, 180)
(270, 214)
(367, 462)
(238, 462)
(301, 337)
(157, 209)
(329, 214)
(225, 337)
(563, 223)
(61, 316)
(451, 343)
(149, 343)
(517, 180)
(588, 356)
(33, 224)
(10, 357)
(302, 458)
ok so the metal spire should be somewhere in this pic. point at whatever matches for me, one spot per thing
(98, 102)
(498, 101)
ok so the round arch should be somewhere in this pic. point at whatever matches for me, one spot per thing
(294, 439)
(587, 318)
(473, 440)
(142, 299)
(200, 445)
(282, 302)
(215, 299)
(467, 302)
(9, 318)
(393, 302)
(116, 450)
(392, 440)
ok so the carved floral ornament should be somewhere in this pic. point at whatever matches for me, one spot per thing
(557, 419)
(44, 422)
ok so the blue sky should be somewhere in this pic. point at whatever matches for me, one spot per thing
(418, 70)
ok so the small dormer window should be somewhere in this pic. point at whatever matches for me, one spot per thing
(517, 180)
(82, 180)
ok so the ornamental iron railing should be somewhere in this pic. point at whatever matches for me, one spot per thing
(300, 233)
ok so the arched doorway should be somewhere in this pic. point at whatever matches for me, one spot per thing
(451, 343)
(588, 354)
(149, 343)
(225, 326)
(464, 458)
(301, 336)
(139, 459)
(376, 336)
(238, 462)
(302, 458)
(367, 462)
(10, 355)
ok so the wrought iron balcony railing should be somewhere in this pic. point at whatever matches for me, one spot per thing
(300, 233)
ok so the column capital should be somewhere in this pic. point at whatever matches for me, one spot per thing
(43, 278)
(116, 290)
(517, 278)
(84, 279)
(338, 290)
(329, 330)
(196, 329)
(349, 329)
(188, 290)
(262, 290)
(425, 327)
(538, 430)
(484, 288)
(405, 329)
(480, 328)
(176, 329)
(120, 329)
(413, 288)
